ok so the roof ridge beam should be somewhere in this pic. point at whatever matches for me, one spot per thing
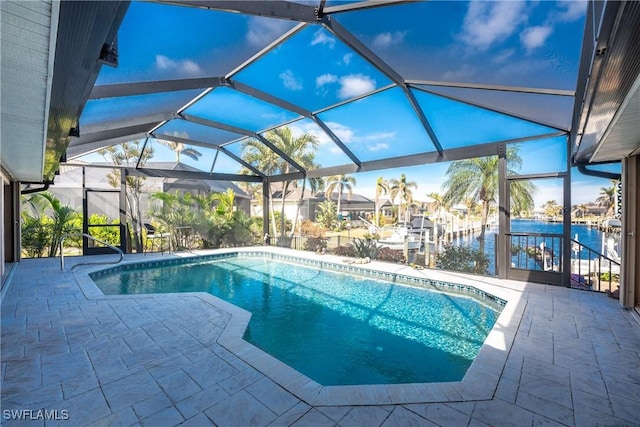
(143, 88)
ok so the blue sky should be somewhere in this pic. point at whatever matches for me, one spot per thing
(528, 44)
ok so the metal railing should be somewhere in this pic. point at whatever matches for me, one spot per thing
(590, 269)
(536, 251)
(88, 236)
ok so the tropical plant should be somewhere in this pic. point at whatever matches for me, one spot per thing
(314, 185)
(477, 178)
(607, 198)
(47, 230)
(382, 189)
(580, 210)
(366, 248)
(181, 149)
(340, 183)
(129, 154)
(552, 209)
(401, 191)
(326, 214)
(301, 150)
(464, 259)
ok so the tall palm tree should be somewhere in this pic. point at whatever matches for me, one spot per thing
(129, 154)
(552, 208)
(314, 185)
(401, 191)
(607, 197)
(340, 183)
(301, 150)
(477, 178)
(180, 148)
(382, 189)
(580, 210)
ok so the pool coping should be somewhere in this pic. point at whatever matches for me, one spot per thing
(479, 383)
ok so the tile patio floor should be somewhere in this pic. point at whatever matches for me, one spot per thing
(158, 360)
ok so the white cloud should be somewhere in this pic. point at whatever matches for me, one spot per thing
(183, 67)
(378, 147)
(388, 39)
(321, 37)
(489, 22)
(326, 79)
(346, 58)
(290, 81)
(379, 135)
(355, 84)
(503, 56)
(534, 37)
(263, 31)
(343, 132)
(570, 10)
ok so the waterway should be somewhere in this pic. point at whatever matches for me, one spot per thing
(588, 236)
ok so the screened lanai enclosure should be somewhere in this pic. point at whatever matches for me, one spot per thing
(161, 99)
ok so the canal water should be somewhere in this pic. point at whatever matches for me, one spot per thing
(588, 236)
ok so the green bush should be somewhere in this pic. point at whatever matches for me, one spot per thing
(389, 255)
(366, 248)
(463, 259)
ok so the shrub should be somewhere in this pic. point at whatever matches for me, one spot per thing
(463, 259)
(389, 255)
(365, 248)
(344, 251)
(308, 228)
(313, 243)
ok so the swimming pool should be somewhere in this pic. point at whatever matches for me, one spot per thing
(335, 328)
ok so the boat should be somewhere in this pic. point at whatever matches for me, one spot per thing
(399, 237)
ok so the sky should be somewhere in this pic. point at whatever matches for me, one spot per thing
(510, 43)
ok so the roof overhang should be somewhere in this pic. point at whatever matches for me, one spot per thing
(606, 124)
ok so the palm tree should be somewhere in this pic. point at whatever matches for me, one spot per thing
(314, 185)
(401, 189)
(129, 154)
(580, 210)
(340, 183)
(180, 148)
(478, 179)
(607, 197)
(301, 150)
(552, 209)
(382, 189)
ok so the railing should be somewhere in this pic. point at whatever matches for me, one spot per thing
(590, 269)
(536, 251)
(88, 236)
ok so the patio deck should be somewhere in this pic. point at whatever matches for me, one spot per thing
(573, 359)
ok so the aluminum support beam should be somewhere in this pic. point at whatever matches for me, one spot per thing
(211, 123)
(143, 88)
(251, 91)
(501, 88)
(187, 141)
(362, 5)
(495, 110)
(354, 43)
(267, 8)
(163, 173)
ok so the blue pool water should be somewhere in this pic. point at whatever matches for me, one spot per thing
(337, 329)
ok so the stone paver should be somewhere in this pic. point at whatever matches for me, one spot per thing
(157, 360)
